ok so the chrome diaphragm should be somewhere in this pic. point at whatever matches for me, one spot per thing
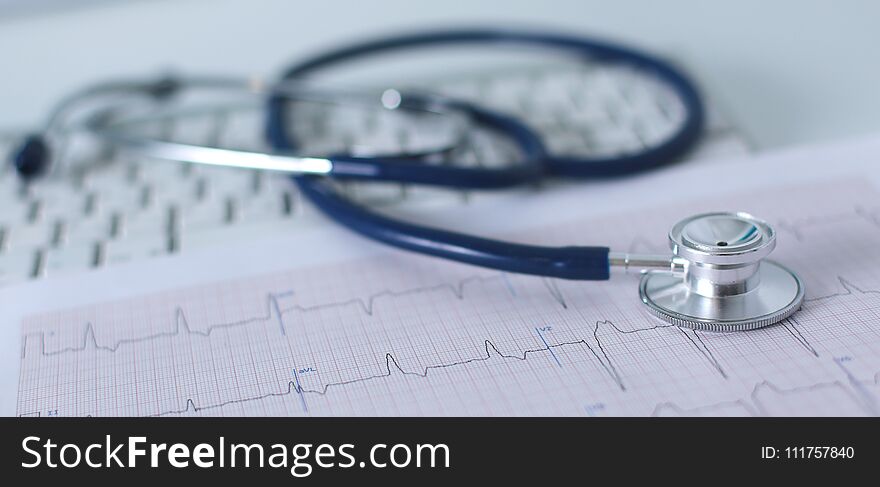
(719, 279)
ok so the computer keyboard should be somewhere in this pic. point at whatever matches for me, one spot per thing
(121, 210)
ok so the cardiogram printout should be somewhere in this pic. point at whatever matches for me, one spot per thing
(398, 334)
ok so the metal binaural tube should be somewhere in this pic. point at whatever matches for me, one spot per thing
(639, 263)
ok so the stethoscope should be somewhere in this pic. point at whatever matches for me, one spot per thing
(716, 278)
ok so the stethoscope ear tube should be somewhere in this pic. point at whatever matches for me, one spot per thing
(577, 263)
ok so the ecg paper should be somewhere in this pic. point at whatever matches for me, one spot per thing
(401, 334)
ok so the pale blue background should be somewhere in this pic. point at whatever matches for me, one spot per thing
(785, 71)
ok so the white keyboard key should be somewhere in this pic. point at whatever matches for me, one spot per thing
(197, 129)
(67, 260)
(92, 229)
(16, 266)
(242, 130)
(231, 182)
(15, 213)
(275, 182)
(11, 190)
(128, 250)
(653, 130)
(58, 198)
(247, 231)
(153, 221)
(614, 140)
(29, 236)
(567, 143)
(172, 194)
(553, 94)
(211, 213)
(509, 91)
(591, 115)
(111, 176)
(266, 206)
(160, 172)
(119, 199)
(70, 206)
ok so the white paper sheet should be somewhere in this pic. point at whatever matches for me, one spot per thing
(326, 323)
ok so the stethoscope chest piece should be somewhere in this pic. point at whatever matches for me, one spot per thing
(722, 282)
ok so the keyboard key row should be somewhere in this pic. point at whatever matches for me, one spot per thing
(163, 220)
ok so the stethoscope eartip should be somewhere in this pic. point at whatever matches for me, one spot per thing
(32, 157)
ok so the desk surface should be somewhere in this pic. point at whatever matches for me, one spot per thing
(785, 72)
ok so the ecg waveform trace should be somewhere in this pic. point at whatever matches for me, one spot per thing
(438, 338)
(273, 312)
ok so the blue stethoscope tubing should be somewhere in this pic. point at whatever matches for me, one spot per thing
(574, 262)
(579, 48)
